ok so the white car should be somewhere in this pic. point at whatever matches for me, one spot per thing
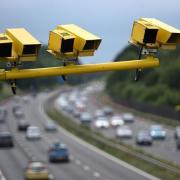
(124, 132)
(101, 122)
(128, 117)
(62, 101)
(116, 121)
(33, 132)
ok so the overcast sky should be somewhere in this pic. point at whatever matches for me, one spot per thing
(110, 19)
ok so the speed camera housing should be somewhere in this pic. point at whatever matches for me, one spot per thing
(85, 43)
(152, 33)
(5, 46)
(25, 46)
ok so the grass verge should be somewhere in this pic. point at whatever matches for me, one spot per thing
(105, 144)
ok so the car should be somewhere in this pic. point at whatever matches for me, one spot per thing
(128, 117)
(26, 99)
(6, 139)
(62, 101)
(98, 113)
(2, 117)
(50, 126)
(157, 132)
(37, 170)
(101, 122)
(3, 111)
(116, 121)
(178, 143)
(86, 118)
(144, 138)
(108, 111)
(58, 152)
(22, 125)
(123, 132)
(15, 107)
(19, 113)
(177, 132)
(76, 113)
(80, 106)
(69, 109)
(33, 132)
(73, 97)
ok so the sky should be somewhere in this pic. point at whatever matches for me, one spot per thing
(109, 19)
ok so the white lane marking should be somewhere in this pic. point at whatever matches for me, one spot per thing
(108, 156)
(96, 174)
(86, 168)
(51, 177)
(2, 176)
(78, 162)
(98, 151)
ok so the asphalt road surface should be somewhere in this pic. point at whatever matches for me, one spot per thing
(163, 149)
(87, 162)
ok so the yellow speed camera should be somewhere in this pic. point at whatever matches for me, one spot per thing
(85, 43)
(61, 42)
(5, 46)
(25, 46)
(152, 33)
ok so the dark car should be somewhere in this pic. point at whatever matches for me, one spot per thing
(177, 133)
(3, 114)
(108, 111)
(178, 143)
(58, 152)
(6, 139)
(22, 125)
(86, 118)
(144, 138)
(2, 118)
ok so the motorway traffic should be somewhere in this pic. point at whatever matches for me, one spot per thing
(82, 105)
(37, 148)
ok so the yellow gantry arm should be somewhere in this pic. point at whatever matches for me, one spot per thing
(148, 62)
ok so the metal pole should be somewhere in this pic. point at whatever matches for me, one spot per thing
(149, 62)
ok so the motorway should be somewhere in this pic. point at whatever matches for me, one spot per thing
(163, 149)
(87, 162)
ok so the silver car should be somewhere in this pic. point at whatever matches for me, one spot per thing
(86, 118)
(128, 117)
(144, 138)
(124, 132)
(116, 121)
(50, 126)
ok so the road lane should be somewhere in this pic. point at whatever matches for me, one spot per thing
(86, 163)
(163, 149)
(107, 168)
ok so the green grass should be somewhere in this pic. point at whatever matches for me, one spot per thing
(106, 145)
